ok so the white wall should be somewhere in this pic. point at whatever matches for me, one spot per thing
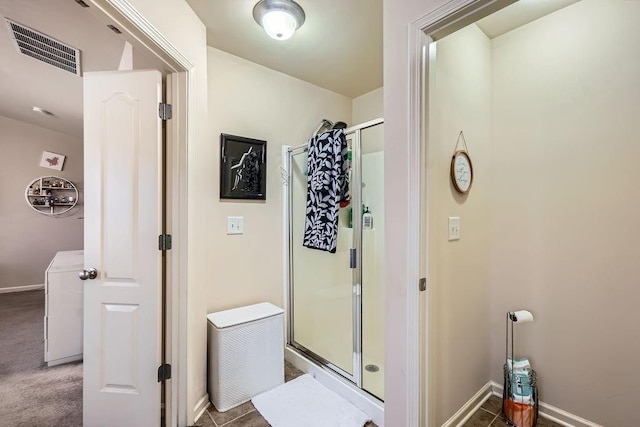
(368, 106)
(29, 240)
(250, 100)
(565, 204)
(460, 100)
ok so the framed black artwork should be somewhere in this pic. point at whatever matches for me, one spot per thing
(243, 168)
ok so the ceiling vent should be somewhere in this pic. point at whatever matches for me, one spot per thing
(44, 48)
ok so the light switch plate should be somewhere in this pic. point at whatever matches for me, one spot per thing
(454, 228)
(235, 225)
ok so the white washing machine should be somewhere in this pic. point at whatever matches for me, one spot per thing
(64, 302)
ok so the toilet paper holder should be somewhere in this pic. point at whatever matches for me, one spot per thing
(520, 393)
(520, 316)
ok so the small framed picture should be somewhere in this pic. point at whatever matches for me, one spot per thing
(243, 168)
(52, 160)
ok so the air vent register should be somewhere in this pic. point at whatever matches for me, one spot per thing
(44, 48)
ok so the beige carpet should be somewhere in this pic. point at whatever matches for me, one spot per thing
(32, 394)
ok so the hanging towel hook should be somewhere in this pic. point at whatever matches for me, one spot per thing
(325, 123)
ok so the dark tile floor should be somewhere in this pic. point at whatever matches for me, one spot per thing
(490, 415)
(245, 415)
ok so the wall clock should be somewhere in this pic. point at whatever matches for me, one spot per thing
(461, 171)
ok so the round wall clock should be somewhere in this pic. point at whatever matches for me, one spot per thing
(461, 171)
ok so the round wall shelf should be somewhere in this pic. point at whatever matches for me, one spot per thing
(51, 195)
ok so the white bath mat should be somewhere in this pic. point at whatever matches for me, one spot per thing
(305, 402)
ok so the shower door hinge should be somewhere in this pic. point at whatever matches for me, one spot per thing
(164, 372)
(164, 111)
(164, 242)
(352, 258)
(422, 284)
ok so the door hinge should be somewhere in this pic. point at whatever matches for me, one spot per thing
(422, 284)
(164, 111)
(352, 258)
(164, 372)
(164, 242)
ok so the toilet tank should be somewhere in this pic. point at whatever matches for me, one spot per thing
(246, 353)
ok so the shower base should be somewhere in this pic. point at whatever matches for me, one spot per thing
(333, 381)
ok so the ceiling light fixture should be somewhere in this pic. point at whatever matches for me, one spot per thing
(279, 18)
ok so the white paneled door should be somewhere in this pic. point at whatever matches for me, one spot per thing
(122, 197)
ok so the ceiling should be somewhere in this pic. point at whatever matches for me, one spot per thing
(339, 46)
(518, 14)
(26, 82)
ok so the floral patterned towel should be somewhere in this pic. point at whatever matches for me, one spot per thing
(327, 186)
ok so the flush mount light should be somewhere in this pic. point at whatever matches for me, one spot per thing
(279, 18)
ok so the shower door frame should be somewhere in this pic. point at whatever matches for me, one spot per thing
(353, 132)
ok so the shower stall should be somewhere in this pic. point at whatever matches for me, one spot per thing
(335, 301)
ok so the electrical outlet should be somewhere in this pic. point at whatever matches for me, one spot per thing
(454, 228)
(235, 225)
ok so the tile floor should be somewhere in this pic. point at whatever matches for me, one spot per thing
(490, 415)
(245, 415)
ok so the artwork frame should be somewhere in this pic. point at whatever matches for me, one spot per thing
(52, 160)
(243, 168)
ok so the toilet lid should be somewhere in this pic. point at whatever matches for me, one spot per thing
(240, 315)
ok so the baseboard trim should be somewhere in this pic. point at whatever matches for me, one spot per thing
(21, 289)
(552, 413)
(201, 406)
(469, 408)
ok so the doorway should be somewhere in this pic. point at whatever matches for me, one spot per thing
(532, 70)
(176, 180)
(42, 128)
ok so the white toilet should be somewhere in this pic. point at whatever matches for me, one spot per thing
(246, 353)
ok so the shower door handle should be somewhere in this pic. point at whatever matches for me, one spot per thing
(352, 258)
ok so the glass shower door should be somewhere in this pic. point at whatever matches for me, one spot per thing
(336, 301)
(372, 167)
(322, 323)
